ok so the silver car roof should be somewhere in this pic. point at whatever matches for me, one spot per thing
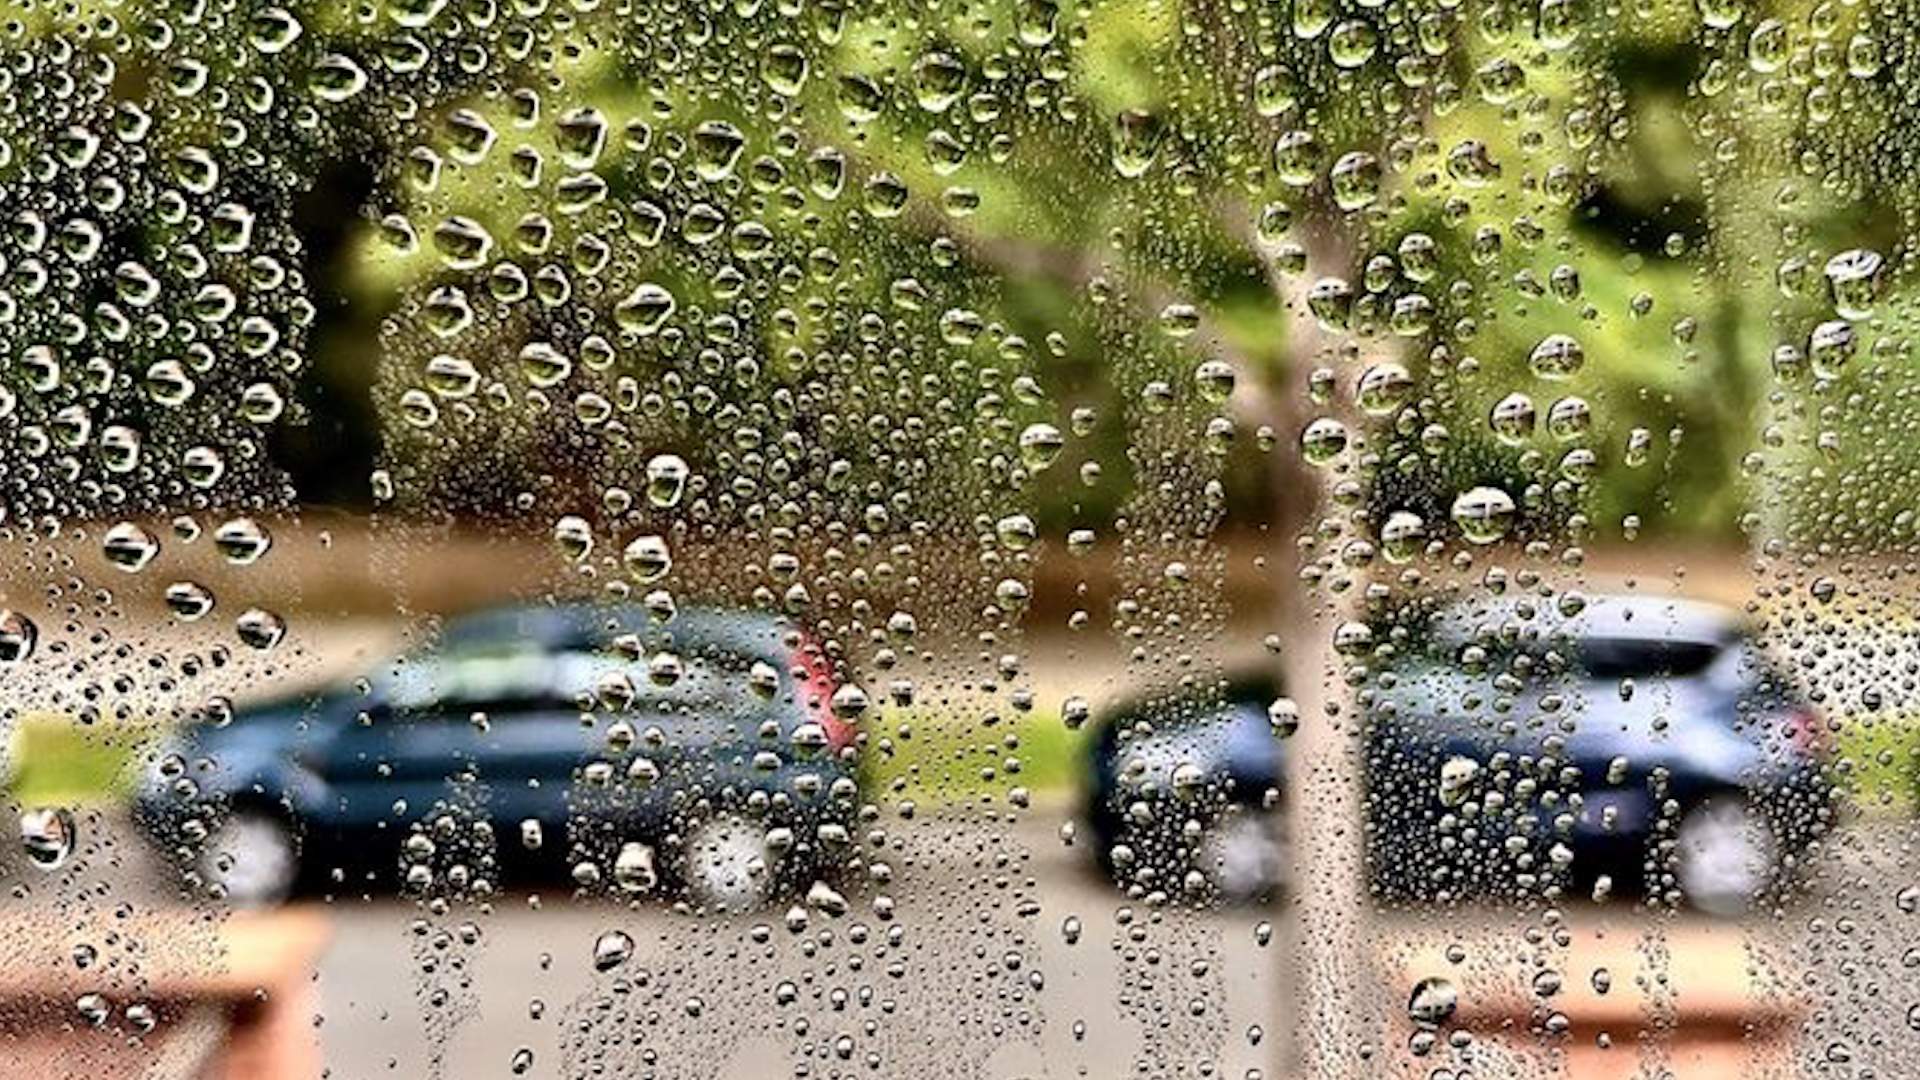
(1605, 616)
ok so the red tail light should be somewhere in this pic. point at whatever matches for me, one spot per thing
(1808, 732)
(813, 674)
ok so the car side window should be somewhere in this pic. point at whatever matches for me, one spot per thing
(457, 685)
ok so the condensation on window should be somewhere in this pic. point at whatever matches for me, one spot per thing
(979, 538)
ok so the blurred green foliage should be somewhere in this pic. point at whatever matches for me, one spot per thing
(1617, 177)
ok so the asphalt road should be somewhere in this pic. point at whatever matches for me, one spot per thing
(980, 979)
(974, 975)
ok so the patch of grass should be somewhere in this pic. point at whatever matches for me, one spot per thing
(59, 762)
(948, 759)
(1880, 762)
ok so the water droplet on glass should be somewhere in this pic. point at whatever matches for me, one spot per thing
(1283, 717)
(1557, 357)
(47, 833)
(633, 868)
(1433, 1001)
(18, 638)
(94, 1009)
(189, 600)
(129, 546)
(647, 558)
(1136, 141)
(1484, 514)
(1854, 280)
(1403, 536)
(242, 541)
(573, 536)
(1040, 446)
(611, 949)
(666, 480)
(1830, 347)
(259, 628)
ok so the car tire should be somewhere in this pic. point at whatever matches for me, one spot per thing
(726, 866)
(251, 860)
(1246, 856)
(1726, 855)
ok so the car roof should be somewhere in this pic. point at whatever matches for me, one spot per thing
(1605, 616)
(1238, 686)
(582, 627)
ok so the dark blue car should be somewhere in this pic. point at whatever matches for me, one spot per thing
(1185, 790)
(1637, 745)
(710, 752)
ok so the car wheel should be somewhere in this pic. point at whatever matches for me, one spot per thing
(1247, 857)
(250, 860)
(1726, 856)
(726, 866)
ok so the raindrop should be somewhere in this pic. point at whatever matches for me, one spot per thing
(189, 600)
(938, 80)
(94, 1009)
(1854, 280)
(1830, 347)
(573, 536)
(259, 628)
(48, 834)
(1384, 388)
(633, 871)
(1075, 712)
(1136, 141)
(1403, 536)
(1283, 717)
(1323, 440)
(1484, 514)
(645, 310)
(129, 546)
(579, 135)
(1457, 775)
(666, 480)
(612, 949)
(1355, 180)
(1432, 1002)
(1016, 532)
(716, 149)
(784, 70)
(18, 638)
(1557, 357)
(1040, 446)
(647, 559)
(242, 541)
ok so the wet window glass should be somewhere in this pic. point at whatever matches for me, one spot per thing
(971, 538)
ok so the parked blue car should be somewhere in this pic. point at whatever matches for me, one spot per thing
(1185, 791)
(1631, 745)
(706, 753)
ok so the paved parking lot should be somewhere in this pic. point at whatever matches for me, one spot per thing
(1006, 957)
(984, 979)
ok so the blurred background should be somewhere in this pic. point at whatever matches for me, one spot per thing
(1177, 506)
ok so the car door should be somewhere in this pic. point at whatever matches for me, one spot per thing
(492, 733)
(500, 734)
